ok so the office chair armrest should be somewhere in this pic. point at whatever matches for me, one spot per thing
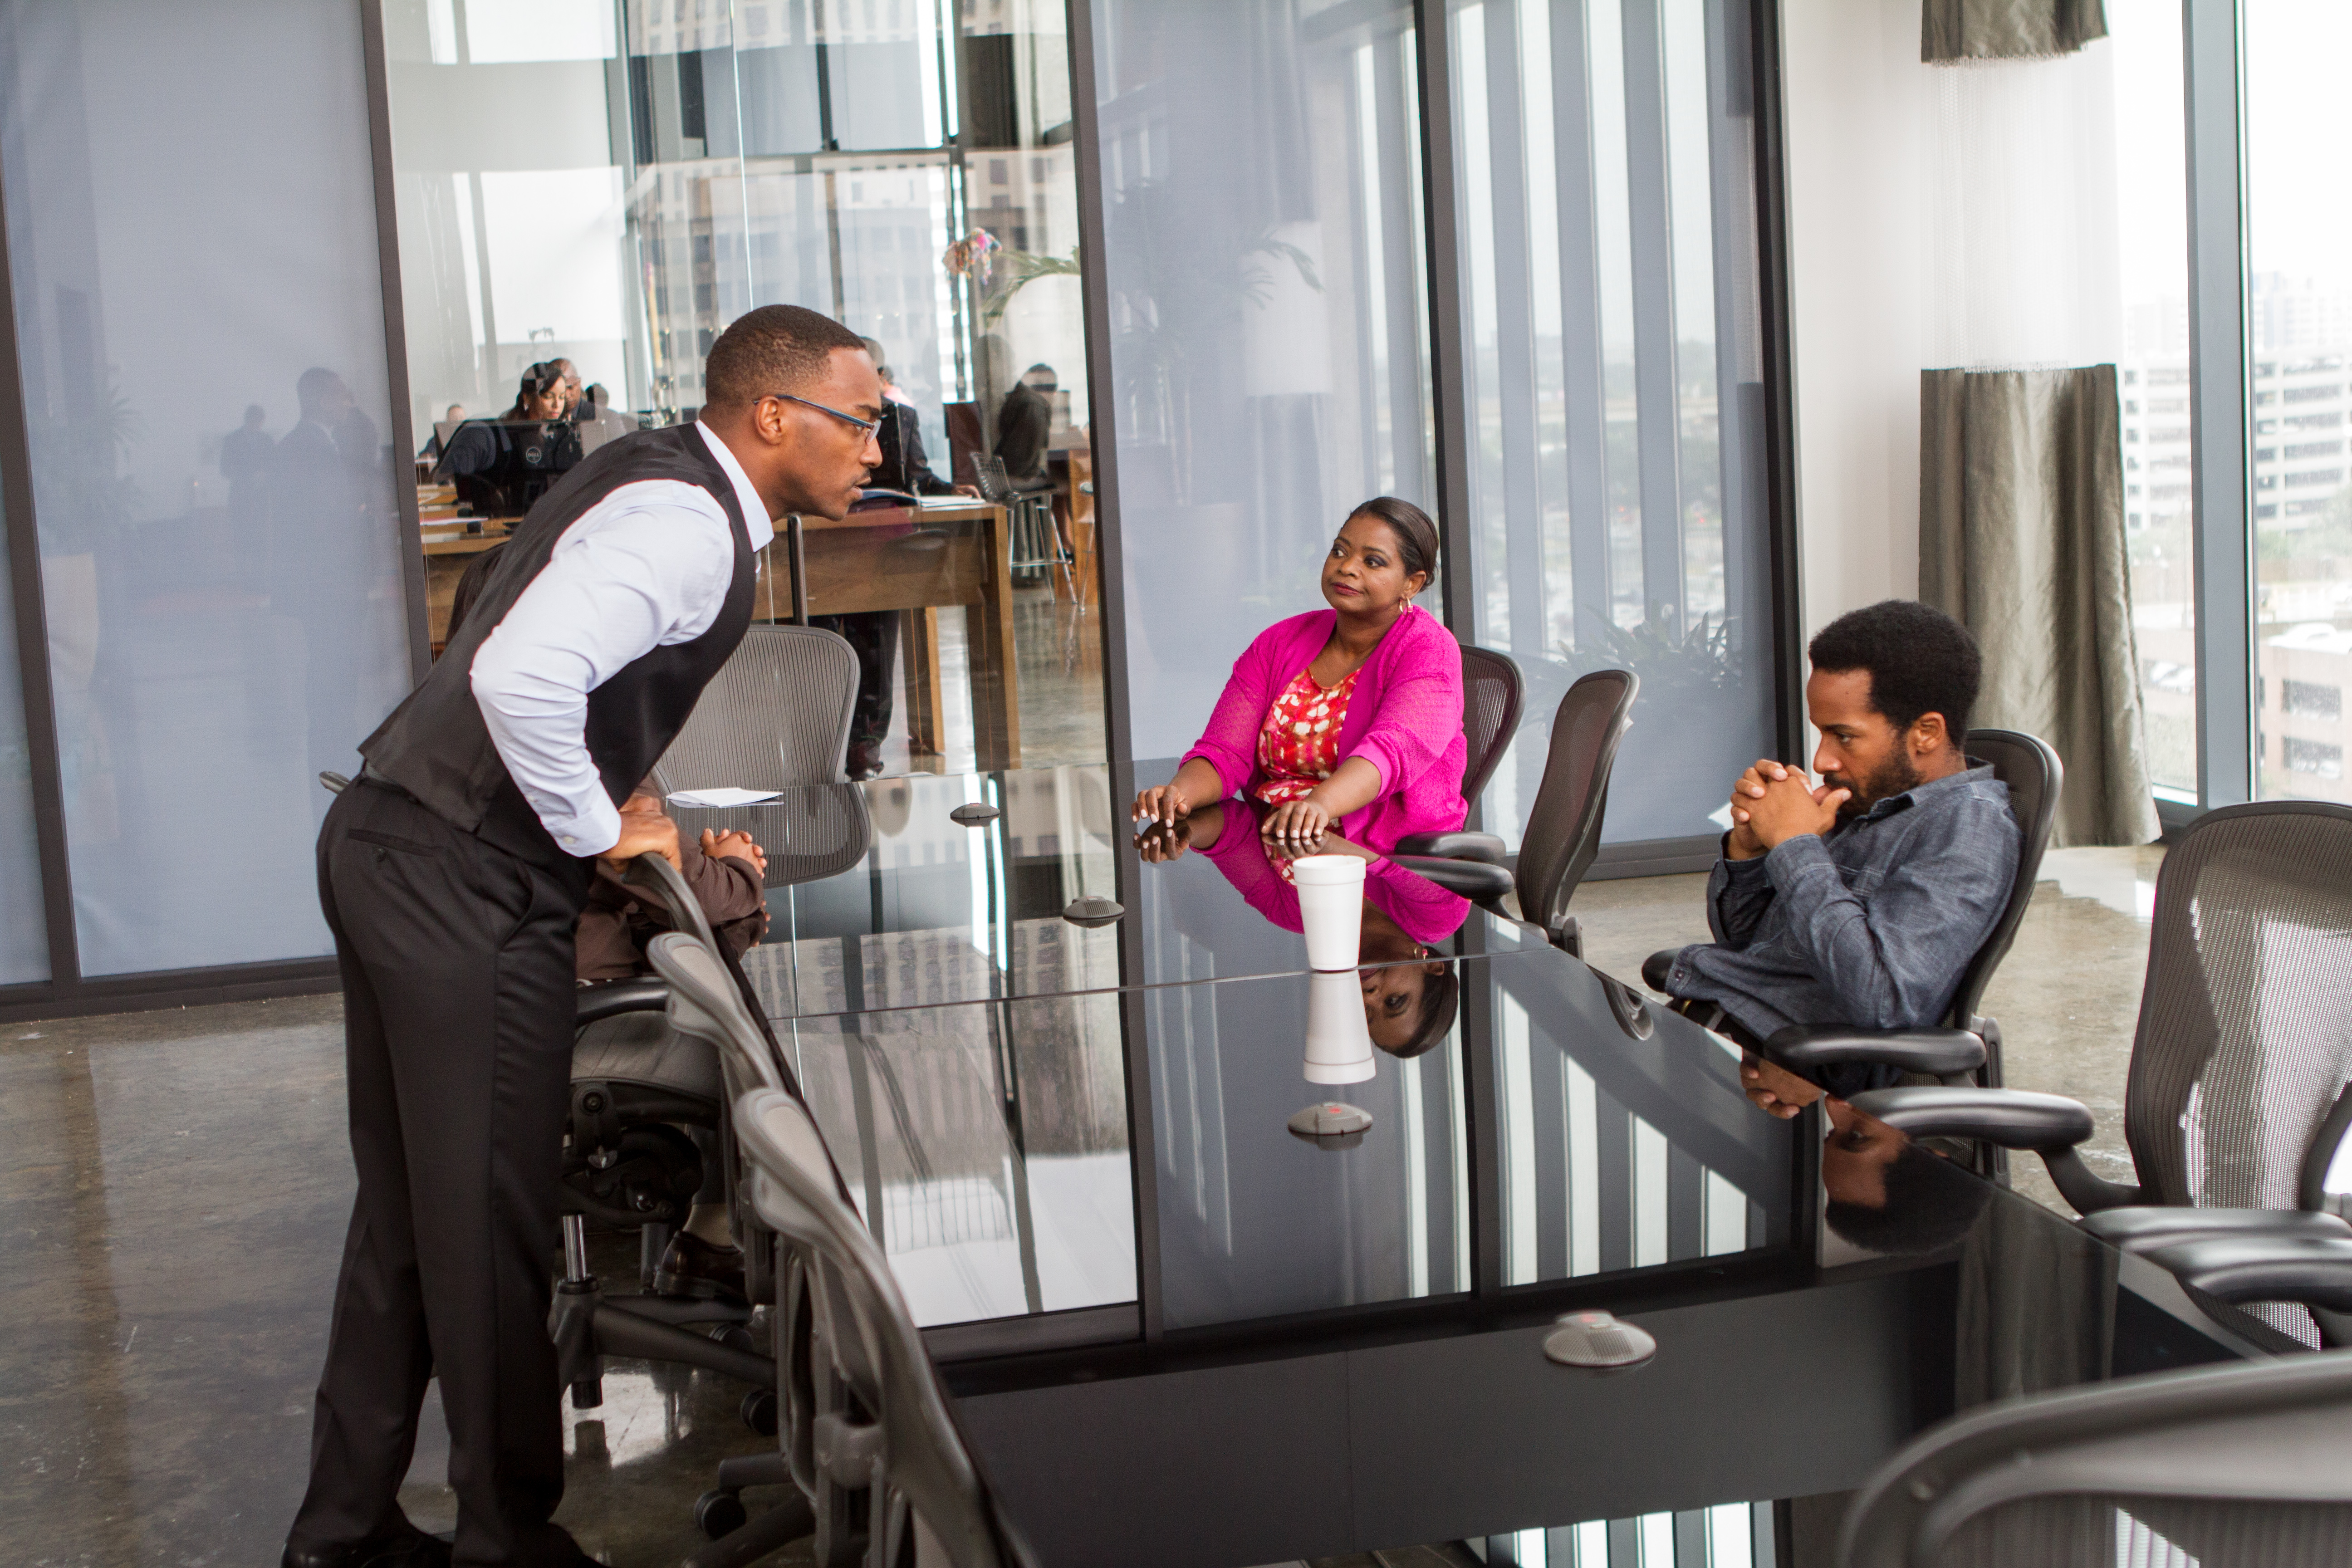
(2049, 1124)
(1939, 1053)
(1472, 880)
(2145, 1229)
(646, 994)
(2013, 1118)
(2313, 1270)
(1483, 847)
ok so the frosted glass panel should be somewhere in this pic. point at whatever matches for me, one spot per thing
(204, 377)
(1263, 261)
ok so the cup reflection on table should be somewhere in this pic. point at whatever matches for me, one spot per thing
(1411, 994)
(1885, 1192)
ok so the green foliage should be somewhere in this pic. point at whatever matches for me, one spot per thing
(1015, 271)
(78, 487)
(1673, 660)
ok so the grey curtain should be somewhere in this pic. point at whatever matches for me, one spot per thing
(2021, 541)
(1955, 30)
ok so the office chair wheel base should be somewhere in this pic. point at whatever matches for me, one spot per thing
(719, 1514)
(588, 1394)
(736, 1337)
(758, 1412)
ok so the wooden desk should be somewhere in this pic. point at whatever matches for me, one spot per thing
(900, 559)
(920, 561)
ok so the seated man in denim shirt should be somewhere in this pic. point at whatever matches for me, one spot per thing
(1859, 900)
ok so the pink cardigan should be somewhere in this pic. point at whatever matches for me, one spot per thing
(1405, 719)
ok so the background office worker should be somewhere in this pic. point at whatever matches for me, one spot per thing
(452, 878)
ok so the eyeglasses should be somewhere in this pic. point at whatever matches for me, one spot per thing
(867, 427)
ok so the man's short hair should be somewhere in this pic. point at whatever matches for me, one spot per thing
(1930, 1206)
(774, 349)
(1920, 661)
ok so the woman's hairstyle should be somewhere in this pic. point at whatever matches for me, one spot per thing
(1441, 998)
(537, 381)
(1416, 535)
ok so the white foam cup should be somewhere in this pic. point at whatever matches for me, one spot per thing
(1332, 907)
(1339, 1046)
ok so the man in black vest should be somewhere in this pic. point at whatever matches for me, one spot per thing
(452, 877)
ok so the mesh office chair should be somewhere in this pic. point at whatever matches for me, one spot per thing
(1492, 692)
(775, 716)
(1564, 826)
(2221, 1464)
(884, 1445)
(626, 1098)
(1966, 1044)
(2238, 1092)
(1037, 543)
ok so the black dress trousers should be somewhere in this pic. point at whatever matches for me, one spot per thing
(458, 995)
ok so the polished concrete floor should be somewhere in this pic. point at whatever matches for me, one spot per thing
(174, 1188)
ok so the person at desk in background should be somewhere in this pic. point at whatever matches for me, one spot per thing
(1859, 900)
(1411, 994)
(904, 466)
(574, 394)
(479, 446)
(872, 635)
(1024, 428)
(432, 449)
(1350, 716)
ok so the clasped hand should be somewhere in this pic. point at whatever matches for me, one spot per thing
(1773, 803)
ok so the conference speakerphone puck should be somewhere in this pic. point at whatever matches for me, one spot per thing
(1598, 1339)
(1331, 1124)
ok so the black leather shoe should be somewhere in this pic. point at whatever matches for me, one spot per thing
(692, 1267)
(409, 1548)
(865, 760)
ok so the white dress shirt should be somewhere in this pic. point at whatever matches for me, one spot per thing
(647, 567)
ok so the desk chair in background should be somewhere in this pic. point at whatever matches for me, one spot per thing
(1038, 546)
(1965, 1047)
(2219, 1464)
(1564, 824)
(2241, 1085)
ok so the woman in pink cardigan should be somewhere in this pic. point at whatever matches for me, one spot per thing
(1348, 718)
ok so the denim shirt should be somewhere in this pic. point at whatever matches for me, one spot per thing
(1870, 924)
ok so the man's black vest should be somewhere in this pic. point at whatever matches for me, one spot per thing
(436, 745)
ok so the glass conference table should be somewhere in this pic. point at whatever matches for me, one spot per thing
(1072, 1143)
(1047, 1121)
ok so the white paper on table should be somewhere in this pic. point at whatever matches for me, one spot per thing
(1720, 815)
(725, 795)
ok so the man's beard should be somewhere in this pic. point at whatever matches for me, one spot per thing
(1894, 776)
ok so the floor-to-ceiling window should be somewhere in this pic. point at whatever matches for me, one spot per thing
(2236, 277)
(2299, 298)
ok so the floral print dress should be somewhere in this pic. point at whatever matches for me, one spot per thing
(1299, 745)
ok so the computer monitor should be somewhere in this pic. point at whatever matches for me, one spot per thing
(502, 466)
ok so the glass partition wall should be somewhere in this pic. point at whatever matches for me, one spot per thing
(611, 183)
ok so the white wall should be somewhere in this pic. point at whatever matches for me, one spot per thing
(1857, 102)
